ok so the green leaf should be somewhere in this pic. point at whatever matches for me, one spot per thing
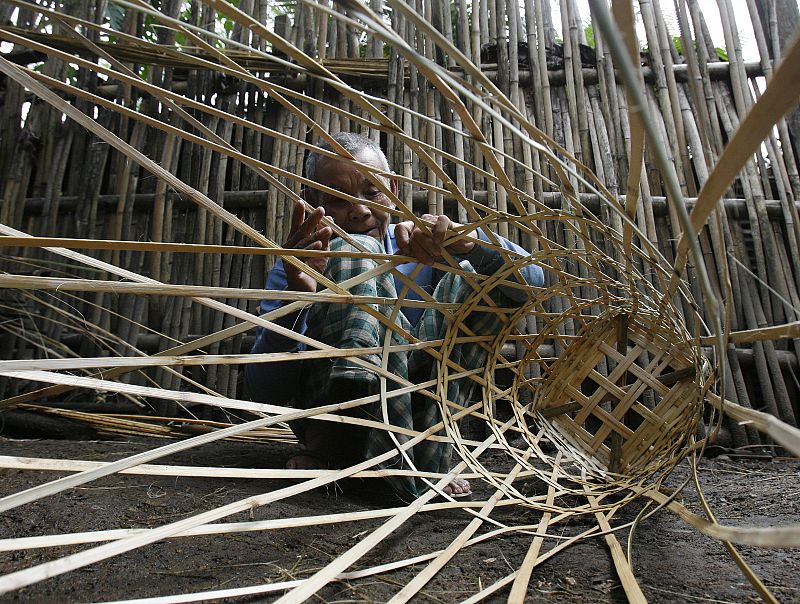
(115, 15)
(588, 32)
(72, 75)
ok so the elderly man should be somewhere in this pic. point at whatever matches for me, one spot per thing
(315, 382)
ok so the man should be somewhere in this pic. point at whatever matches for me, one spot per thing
(316, 382)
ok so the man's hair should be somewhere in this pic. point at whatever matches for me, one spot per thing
(353, 144)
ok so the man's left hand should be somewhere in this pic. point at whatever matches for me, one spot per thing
(427, 247)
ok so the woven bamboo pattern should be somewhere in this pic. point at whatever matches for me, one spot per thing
(607, 379)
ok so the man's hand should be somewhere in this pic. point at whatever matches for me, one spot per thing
(428, 247)
(306, 234)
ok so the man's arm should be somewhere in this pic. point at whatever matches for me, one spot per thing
(427, 247)
(274, 382)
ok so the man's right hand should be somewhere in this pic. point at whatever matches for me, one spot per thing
(306, 234)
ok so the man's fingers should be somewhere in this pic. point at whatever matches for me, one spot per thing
(319, 241)
(324, 237)
(303, 229)
(440, 229)
(299, 280)
(439, 225)
(428, 244)
(312, 222)
(420, 248)
(402, 234)
(298, 214)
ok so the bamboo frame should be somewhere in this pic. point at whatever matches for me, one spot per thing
(617, 306)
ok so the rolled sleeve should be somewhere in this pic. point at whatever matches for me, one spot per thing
(488, 261)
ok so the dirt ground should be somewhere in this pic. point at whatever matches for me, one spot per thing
(672, 561)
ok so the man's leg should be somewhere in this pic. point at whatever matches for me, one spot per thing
(433, 325)
(330, 444)
(334, 380)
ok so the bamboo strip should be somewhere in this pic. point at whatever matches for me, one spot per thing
(235, 527)
(523, 576)
(63, 465)
(236, 312)
(281, 586)
(621, 563)
(421, 579)
(782, 433)
(786, 536)
(36, 573)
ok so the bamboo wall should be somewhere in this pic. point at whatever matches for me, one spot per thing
(58, 180)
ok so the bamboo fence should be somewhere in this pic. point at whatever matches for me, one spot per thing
(150, 165)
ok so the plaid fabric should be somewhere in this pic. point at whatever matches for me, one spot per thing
(347, 326)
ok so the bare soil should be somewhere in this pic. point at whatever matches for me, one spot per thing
(672, 561)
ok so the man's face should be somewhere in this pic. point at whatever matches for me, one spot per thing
(354, 218)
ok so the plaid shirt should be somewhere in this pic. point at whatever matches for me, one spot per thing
(346, 326)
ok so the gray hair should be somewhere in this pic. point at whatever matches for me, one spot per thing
(353, 143)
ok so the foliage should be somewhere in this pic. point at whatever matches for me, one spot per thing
(588, 33)
(678, 42)
(722, 55)
(115, 14)
(186, 15)
(72, 74)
